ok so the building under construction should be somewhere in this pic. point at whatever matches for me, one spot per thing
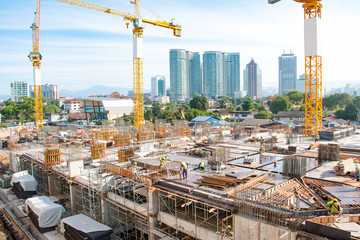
(249, 189)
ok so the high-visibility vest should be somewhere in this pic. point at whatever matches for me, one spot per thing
(184, 165)
(202, 165)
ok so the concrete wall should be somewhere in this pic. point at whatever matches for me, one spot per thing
(246, 229)
(189, 228)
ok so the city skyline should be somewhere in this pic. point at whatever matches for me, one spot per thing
(70, 37)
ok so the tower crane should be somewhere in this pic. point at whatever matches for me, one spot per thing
(137, 22)
(35, 57)
(313, 65)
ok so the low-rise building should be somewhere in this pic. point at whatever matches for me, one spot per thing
(206, 119)
(290, 116)
(241, 115)
(72, 106)
(223, 113)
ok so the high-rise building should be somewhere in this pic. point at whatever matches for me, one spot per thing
(19, 89)
(232, 73)
(213, 74)
(253, 80)
(195, 74)
(300, 86)
(287, 73)
(179, 75)
(158, 86)
(49, 91)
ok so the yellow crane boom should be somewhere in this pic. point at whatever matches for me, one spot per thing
(35, 57)
(137, 22)
(313, 66)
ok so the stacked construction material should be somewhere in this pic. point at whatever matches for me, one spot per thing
(44, 213)
(23, 185)
(81, 227)
(330, 151)
(294, 167)
(125, 154)
(52, 157)
(216, 181)
(122, 140)
(98, 150)
(346, 167)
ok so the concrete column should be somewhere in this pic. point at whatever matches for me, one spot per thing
(52, 185)
(72, 197)
(105, 210)
(153, 210)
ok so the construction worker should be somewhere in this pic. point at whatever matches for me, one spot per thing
(183, 169)
(334, 207)
(201, 166)
(317, 137)
(261, 141)
(357, 169)
(162, 160)
(135, 174)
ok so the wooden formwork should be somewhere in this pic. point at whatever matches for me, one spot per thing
(125, 154)
(53, 156)
(98, 150)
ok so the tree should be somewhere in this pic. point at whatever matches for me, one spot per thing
(212, 114)
(247, 104)
(351, 112)
(156, 110)
(51, 109)
(295, 96)
(148, 102)
(193, 113)
(263, 115)
(223, 103)
(200, 103)
(279, 103)
(258, 107)
(148, 115)
(340, 114)
(338, 100)
(129, 119)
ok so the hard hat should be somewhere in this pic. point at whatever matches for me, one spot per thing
(179, 161)
(135, 163)
(356, 160)
(335, 200)
(160, 158)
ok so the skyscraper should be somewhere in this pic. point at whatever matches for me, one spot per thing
(300, 86)
(179, 75)
(213, 74)
(19, 89)
(48, 91)
(195, 75)
(158, 86)
(253, 80)
(232, 73)
(287, 73)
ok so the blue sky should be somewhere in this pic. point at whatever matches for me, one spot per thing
(83, 47)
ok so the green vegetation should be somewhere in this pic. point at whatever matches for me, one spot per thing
(24, 111)
(263, 115)
(200, 103)
(279, 103)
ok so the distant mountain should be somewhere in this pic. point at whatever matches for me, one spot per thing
(94, 90)
(4, 97)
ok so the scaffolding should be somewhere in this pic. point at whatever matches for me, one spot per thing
(201, 214)
(218, 157)
(161, 129)
(202, 131)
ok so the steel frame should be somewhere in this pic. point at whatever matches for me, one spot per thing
(201, 214)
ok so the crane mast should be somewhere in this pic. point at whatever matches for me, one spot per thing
(313, 65)
(35, 57)
(138, 27)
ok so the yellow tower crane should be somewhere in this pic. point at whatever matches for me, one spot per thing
(313, 65)
(137, 22)
(35, 57)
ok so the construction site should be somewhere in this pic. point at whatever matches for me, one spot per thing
(248, 189)
(160, 180)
